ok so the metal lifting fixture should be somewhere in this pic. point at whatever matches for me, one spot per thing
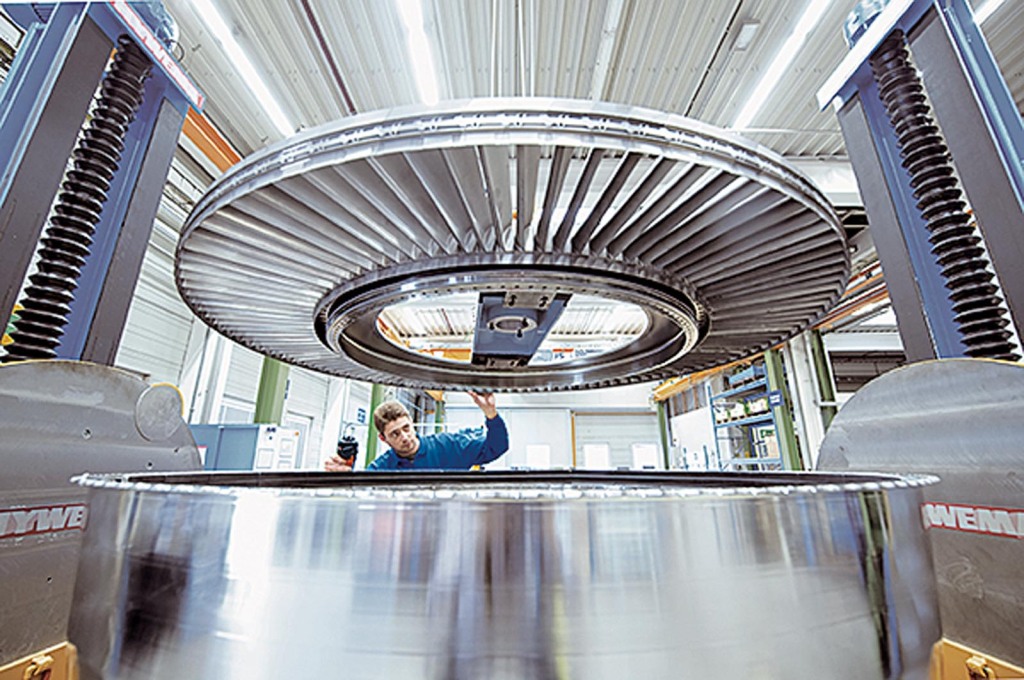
(67, 240)
(98, 228)
(979, 314)
(936, 142)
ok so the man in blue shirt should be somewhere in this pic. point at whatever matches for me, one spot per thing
(441, 451)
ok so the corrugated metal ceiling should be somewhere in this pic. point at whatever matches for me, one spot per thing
(324, 59)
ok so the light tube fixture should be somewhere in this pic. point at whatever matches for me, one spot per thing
(813, 13)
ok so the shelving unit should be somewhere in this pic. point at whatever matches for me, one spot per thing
(746, 431)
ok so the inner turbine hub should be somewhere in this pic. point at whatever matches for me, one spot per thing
(514, 310)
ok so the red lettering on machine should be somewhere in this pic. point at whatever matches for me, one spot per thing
(43, 519)
(157, 51)
(974, 519)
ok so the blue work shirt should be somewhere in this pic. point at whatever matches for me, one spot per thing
(451, 450)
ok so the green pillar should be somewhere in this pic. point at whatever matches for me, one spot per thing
(270, 396)
(438, 416)
(663, 431)
(789, 450)
(823, 373)
(376, 399)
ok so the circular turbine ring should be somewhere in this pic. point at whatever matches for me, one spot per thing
(298, 250)
(347, 321)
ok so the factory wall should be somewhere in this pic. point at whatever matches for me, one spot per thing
(539, 438)
(306, 409)
(617, 426)
(157, 330)
(546, 438)
(617, 440)
(627, 397)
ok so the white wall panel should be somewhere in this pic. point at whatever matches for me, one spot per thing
(526, 427)
(619, 431)
(244, 374)
(156, 332)
(626, 397)
(307, 397)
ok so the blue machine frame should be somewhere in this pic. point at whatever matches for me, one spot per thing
(50, 37)
(853, 82)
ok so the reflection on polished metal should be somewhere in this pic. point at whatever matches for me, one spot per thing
(296, 251)
(505, 575)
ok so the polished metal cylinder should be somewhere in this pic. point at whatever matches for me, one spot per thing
(505, 575)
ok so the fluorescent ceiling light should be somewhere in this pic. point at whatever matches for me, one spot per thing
(987, 10)
(812, 15)
(745, 36)
(250, 75)
(422, 57)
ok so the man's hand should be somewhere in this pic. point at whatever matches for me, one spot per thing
(338, 464)
(486, 402)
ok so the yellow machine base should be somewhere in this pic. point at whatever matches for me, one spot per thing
(59, 662)
(953, 661)
(950, 661)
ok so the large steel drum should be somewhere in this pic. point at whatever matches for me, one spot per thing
(513, 575)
